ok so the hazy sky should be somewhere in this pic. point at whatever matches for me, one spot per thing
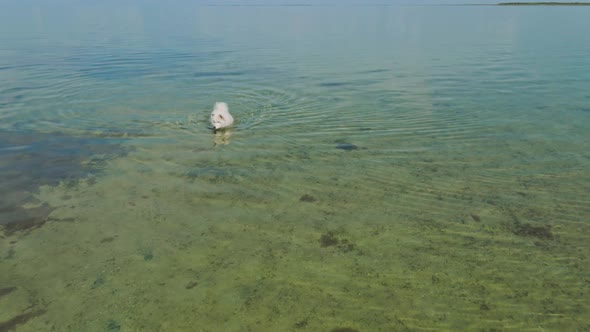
(286, 2)
(175, 3)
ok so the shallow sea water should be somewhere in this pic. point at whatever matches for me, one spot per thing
(399, 168)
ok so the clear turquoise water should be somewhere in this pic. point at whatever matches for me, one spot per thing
(391, 168)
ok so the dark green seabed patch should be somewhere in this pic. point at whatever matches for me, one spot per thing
(12, 324)
(346, 146)
(30, 160)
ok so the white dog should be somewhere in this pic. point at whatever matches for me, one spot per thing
(220, 117)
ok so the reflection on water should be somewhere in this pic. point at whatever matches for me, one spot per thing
(389, 168)
(222, 136)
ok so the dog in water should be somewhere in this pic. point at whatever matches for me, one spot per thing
(220, 117)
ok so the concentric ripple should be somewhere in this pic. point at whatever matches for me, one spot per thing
(423, 124)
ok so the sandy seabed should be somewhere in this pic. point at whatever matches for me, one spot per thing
(166, 240)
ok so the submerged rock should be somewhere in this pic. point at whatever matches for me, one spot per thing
(346, 146)
(307, 198)
(538, 231)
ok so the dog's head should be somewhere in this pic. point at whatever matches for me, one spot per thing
(220, 117)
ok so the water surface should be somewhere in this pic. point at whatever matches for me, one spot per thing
(391, 168)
